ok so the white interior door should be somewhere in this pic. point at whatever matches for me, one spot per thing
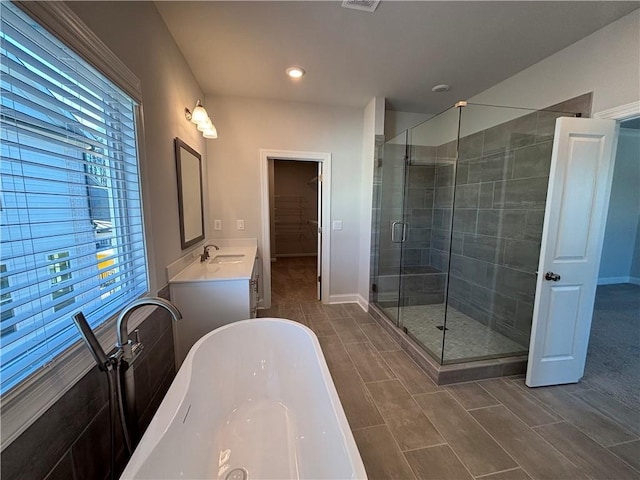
(319, 225)
(575, 219)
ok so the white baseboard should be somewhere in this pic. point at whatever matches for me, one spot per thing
(363, 302)
(617, 280)
(343, 298)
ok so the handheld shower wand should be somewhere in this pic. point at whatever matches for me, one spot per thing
(104, 364)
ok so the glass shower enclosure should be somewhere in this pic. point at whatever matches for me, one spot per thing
(457, 224)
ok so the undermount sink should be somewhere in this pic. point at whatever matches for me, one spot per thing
(220, 259)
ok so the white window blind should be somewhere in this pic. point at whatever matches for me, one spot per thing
(71, 214)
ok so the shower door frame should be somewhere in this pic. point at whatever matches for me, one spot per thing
(397, 268)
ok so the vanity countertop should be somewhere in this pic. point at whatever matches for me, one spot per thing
(227, 263)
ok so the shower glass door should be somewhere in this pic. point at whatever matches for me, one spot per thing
(390, 177)
(427, 210)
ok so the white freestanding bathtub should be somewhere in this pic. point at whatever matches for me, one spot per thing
(255, 400)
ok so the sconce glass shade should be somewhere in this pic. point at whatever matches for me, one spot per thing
(205, 125)
(211, 132)
(199, 114)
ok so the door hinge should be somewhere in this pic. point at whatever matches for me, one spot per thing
(374, 287)
(319, 278)
(320, 178)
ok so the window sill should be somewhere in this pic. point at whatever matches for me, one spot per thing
(25, 403)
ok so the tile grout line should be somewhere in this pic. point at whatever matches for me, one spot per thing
(424, 448)
(621, 443)
(480, 477)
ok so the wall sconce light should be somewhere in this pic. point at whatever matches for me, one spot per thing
(200, 117)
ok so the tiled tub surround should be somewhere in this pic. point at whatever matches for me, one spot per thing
(71, 440)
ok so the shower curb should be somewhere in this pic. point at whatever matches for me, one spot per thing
(453, 373)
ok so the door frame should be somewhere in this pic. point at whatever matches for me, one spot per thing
(265, 240)
(619, 114)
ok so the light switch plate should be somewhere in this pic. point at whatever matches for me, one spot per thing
(240, 224)
(337, 225)
(217, 224)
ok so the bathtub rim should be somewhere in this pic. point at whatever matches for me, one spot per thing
(173, 399)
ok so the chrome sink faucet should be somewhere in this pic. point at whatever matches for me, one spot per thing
(205, 255)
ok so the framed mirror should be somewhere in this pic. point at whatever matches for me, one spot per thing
(190, 197)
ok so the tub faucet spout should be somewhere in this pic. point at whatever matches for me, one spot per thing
(123, 342)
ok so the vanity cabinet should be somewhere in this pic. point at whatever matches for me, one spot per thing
(208, 304)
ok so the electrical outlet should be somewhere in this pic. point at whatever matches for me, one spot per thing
(217, 224)
(336, 225)
(240, 224)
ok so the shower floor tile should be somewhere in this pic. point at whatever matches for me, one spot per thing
(465, 338)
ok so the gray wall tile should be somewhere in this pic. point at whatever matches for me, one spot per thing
(462, 173)
(442, 218)
(465, 220)
(533, 161)
(490, 168)
(522, 193)
(483, 247)
(444, 175)
(469, 268)
(513, 283)
(513, 134)
(91, 453)
(443, 197)
(466, 196)
(521, 254)
(471, 146)
(486, 195)
(533, 227)
(34, 453)
(502, 223)
(421, 176)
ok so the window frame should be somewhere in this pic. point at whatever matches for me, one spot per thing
(27, 401)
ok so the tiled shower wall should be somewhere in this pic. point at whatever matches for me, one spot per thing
(71, 440)
(500, 193)
(501, 186)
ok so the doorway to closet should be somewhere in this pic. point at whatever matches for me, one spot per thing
(321, 161)
(295, 238)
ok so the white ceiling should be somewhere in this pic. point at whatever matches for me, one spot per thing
(400, 51)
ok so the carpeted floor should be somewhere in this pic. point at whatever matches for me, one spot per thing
(613, 358)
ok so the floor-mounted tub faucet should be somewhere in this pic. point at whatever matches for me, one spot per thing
(205, 254)
(130, 350)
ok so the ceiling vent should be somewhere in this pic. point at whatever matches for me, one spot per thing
(366, 5)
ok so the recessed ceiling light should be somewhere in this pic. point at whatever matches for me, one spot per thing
(295, 72)
(443, 87)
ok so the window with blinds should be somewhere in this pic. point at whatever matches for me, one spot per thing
(70, 204)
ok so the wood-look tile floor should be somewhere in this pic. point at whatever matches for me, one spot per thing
(406, 427)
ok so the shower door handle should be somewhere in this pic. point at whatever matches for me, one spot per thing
(403, 235)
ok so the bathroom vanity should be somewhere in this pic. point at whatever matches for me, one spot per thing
(221, 290)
